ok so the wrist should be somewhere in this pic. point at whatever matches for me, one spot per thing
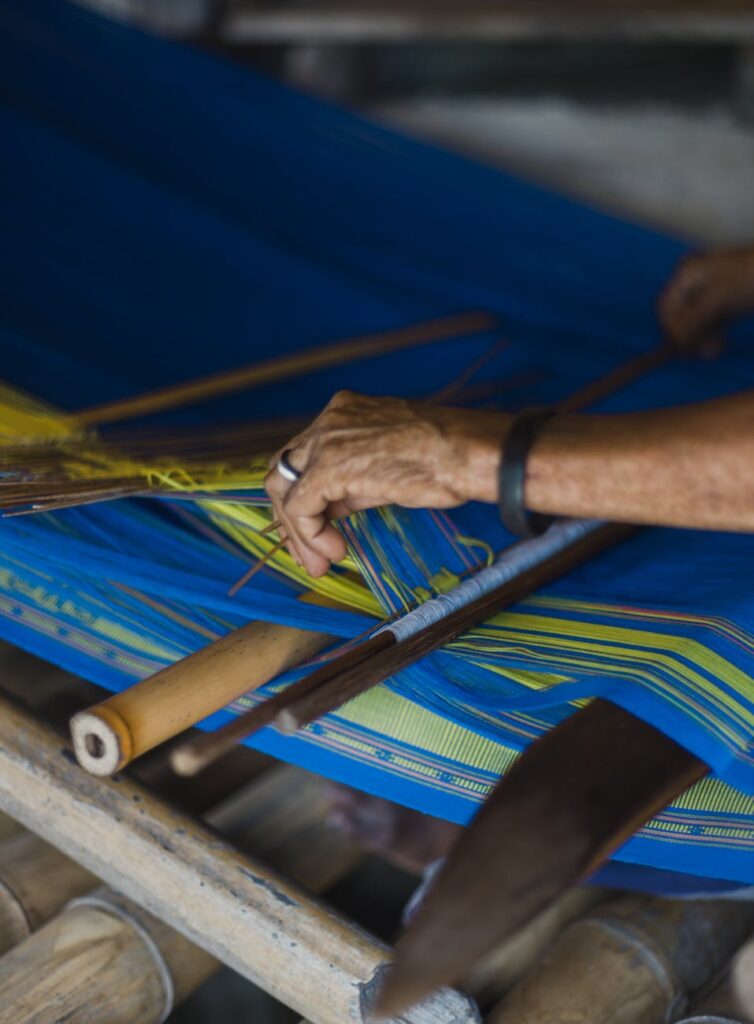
(476, 440)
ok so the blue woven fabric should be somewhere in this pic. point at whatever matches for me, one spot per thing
(165, 215)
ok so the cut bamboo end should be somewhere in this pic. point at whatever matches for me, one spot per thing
(102, 740)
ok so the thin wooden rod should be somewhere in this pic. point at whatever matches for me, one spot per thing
(198, 752)
(294, 364)
(568, 803)
(341, 684)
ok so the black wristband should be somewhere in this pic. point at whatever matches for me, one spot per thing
(522, 434)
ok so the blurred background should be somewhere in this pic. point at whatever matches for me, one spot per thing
(645, 109)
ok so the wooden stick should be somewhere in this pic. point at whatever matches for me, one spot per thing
(637, 959)
(568, 803)
(337, 683)
(198, 752)
(109, 735)
(231, 905)
(295, 364)
(255, 568)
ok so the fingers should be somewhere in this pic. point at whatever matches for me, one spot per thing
(704, 291)
(686, 306)
(311, 538)
(277, 488)
(308, 507)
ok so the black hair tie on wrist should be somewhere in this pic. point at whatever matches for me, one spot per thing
(523, 432)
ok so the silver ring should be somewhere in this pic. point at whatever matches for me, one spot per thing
(286, 470)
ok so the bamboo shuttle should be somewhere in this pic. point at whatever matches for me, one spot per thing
(111, 734)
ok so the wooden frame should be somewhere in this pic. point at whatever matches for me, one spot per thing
(235, 908)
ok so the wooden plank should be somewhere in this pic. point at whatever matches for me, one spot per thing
(179, 870)
(516, 21)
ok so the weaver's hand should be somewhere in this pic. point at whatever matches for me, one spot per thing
(363, 452)
(705, 291)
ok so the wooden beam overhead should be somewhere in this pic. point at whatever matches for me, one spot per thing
(381, 21)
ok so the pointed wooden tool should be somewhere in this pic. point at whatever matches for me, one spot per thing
(570, 801)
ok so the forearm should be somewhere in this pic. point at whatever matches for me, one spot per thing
(692, 466)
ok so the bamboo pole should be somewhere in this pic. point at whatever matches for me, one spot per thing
(93, 963)
(231, 905)
(8, 827)
(504, 967)
(742, 980)
(336, 22)
(36, 881)
(103, 959)
(636, 960)
(111, 734)
(718, 1006)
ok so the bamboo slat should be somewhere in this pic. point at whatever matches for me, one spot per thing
(550, 822)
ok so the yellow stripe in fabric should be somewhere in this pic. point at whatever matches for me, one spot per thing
(714, 623)
(54, 604)
(635, 645)
(403, 720)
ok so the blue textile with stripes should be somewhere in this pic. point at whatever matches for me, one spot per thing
(164, 215)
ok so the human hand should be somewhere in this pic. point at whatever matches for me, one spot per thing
(704, 291)
(363, 452)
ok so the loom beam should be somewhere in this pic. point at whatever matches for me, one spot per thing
(230, 905)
